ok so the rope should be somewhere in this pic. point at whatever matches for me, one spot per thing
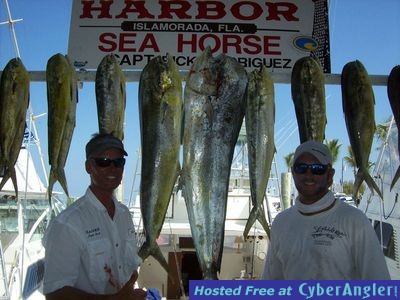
(394, 204)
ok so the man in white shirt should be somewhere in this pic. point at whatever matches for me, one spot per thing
(319, 237)
(91, 246)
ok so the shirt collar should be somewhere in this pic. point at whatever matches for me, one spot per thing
(96, 202)
(321, 205)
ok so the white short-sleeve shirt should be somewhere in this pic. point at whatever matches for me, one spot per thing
(88, 250)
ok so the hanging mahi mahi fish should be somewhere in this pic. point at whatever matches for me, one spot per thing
(260, 121)
(358, 107)
(14, 100)
(213, 114)
(308, 94)
(160, 108)
(110, 96)
(393, 91)
(62, 96)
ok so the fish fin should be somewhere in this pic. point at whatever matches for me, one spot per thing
(372, 184)
(362, 175)
(151, 248)
(52, 180)
(63, 181)
(13, 176)
(6, 176)
(76, 95)
(122, 93)
(263, 221)
(211, 273)
(357, 183)
(395, 178)
(72, 92)
(144, 251)
(259, 215)
(250, 221)
(9, 173)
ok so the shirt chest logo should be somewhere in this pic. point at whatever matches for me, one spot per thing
(329, 232)
(92, 233)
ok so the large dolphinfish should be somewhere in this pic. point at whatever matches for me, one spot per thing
(358, 106)
(308, 94)
(393, 91)
(14, 100)
(110, 96)
(260, 121)
(62, 96)
(160, 108)
(213, 115)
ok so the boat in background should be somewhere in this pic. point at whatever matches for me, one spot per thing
(22, 225)
(385, 215)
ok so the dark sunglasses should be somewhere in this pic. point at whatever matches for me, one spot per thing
(316, 169)
(104, 162)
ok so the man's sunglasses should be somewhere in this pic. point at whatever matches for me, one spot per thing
(104, 162)
(316, 169)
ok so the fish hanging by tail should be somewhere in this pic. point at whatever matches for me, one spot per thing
(393, 91)
(260, 122)
(358, 106)
(213, 114)
(110, 87)
(160, 110)
(308, 94)
(14, 101)
(62, 97)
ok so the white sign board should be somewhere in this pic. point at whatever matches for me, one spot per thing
(256, 32)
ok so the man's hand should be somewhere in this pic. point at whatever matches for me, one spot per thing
(129, 292)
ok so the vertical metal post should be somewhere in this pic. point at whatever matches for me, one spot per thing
(3, 278)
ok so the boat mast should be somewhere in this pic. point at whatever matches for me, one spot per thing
(21, 230)
(10, 23)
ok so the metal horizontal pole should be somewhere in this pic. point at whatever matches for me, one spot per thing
(134, 76)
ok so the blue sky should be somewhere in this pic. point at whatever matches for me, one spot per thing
(367, 30)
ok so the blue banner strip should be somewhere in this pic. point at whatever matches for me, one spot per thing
(293, 289)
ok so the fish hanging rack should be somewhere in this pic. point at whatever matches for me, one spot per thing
(134, 76)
